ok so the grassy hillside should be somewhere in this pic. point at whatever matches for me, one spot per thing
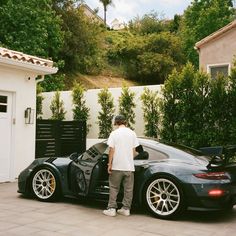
(99, 81)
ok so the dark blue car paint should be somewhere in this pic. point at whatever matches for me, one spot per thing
(179, 166)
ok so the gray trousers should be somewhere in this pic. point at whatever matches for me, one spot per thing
(116, 178)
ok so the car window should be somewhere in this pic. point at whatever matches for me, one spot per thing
(155, 154)
(94, 152)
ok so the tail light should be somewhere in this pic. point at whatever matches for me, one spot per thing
(212, 175)
(216, 193)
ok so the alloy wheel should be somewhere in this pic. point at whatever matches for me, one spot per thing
(44, 184)
(163, 197)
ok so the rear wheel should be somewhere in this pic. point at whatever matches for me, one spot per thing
(164, 197)
(45, 185)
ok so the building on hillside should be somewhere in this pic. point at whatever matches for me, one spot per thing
(117, 25)
(19, 75)
(218, 50)
(92, 14)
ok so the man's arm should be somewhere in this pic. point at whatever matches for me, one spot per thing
(111, 154)
(134, 153)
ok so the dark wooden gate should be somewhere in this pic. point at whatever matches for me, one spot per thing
(59, 138)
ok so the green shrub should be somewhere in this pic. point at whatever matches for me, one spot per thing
(150, 106)
(106, 114)
(80, 110)
(57, 107)
(127, 105)
(232, 105)
(197, 110)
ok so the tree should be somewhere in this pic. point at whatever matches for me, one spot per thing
(105, 4)
(148, 24)
(150, 106)
(197, 110)
(106, 114)
(57, 107)
(32, 27)
(80, 110)
(127, 105)
(170, 108)
(202, 18)
(175, 23)
(83, 38)
(232, 105)
(150, 58)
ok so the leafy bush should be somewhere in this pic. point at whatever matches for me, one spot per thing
(53, 83)
(57, 107)
(197, 110)
(201, 19)
(80, 110)
(150, 106)
(149, 58)
(127, 105)
(106, 114)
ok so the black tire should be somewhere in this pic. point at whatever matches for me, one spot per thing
(164, 197)
(45, 184)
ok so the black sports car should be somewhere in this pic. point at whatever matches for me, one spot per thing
(168, 179)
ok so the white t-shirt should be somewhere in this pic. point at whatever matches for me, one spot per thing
(123, 140)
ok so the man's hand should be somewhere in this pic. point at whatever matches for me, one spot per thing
(109, 169)
(111, 154)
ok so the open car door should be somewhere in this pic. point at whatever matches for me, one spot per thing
(89, 169)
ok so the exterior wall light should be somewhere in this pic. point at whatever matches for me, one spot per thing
(29, 115)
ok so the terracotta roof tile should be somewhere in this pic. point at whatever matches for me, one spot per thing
(21, 57)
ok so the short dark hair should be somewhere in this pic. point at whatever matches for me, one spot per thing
(120, 120)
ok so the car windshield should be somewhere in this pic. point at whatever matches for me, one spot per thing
(94, 152)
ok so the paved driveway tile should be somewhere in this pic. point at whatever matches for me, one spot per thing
(20, 216)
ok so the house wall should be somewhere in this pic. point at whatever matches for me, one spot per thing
(91, 97)
(24, 95)
(91, 14)
(218, 51)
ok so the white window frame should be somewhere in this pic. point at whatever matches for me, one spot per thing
(209, 66)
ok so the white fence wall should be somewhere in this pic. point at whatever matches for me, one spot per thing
(91, 97)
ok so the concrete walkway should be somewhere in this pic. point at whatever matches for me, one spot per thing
(69, 217)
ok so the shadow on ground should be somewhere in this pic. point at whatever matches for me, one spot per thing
(188, 216)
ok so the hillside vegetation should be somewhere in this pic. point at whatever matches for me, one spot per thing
(146, 52)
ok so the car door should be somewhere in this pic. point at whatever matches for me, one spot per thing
(86, 169)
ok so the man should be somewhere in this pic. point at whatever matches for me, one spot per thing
(122, 143)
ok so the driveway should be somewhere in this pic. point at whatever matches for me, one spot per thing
(69, 217)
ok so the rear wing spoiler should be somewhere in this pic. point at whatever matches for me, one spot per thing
(220, 154)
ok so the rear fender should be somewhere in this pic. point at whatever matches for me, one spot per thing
(150, 175)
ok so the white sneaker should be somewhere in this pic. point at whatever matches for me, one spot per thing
(124, 212)
(110, 212)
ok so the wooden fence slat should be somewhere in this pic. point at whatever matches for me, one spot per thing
(59, 138)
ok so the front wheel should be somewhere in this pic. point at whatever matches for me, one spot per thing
(164, 198)
(45, 185)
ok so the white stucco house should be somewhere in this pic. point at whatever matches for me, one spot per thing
(19, 74)
(117, 25)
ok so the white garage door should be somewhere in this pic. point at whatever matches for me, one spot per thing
(5, 135)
